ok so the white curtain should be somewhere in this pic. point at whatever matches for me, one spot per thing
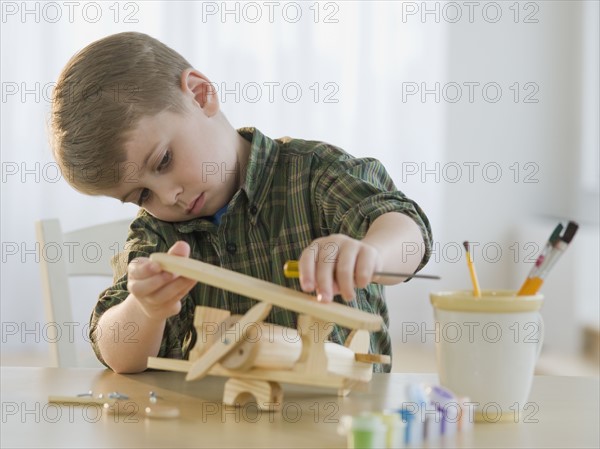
(346, 73)
(331, 71)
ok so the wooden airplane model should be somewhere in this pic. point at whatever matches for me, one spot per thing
(257, 356)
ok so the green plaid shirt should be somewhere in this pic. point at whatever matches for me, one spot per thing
(294, 192)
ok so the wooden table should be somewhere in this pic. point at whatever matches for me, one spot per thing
(564, 414)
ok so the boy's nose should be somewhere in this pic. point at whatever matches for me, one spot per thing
(169, 198)
(168, 195)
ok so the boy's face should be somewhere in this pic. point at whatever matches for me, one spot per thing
(181, 166)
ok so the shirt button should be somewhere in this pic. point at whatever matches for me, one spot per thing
(253, 210)
(231, 248)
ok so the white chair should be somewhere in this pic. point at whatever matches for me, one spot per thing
(84, 252)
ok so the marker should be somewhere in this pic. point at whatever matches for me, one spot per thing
(290, 270)
(554, 248)
(533, 282)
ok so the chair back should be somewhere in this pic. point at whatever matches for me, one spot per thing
(83, 252)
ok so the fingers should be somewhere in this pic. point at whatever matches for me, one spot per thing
(345, 272)
(324, 273)
(337, 265)
(172, 291)
(306, 267)
(142, 268)
(160, 295)
(158, 292)
(316, 266)
(180, 248)
(366, 265)
(146, 286)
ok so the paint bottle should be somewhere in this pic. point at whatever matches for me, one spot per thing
(413, 432)
(447, 404)
(433, 426)
(367, 431)
(395, 429)
(467, 417)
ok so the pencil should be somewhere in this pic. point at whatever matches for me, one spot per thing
(476, 290)
(290, 270)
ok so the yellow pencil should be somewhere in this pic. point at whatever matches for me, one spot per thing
(476, 290)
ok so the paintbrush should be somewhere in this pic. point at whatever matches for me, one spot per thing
(476, 290)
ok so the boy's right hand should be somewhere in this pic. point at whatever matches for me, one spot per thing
(158, 292)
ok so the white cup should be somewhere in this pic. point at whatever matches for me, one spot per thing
(486, 349)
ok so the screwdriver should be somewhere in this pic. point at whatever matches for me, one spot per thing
(290, 270)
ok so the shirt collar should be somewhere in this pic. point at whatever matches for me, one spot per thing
(260, 167)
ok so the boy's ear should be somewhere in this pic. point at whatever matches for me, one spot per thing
(196, 85)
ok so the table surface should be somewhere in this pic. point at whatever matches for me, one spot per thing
(562, 412)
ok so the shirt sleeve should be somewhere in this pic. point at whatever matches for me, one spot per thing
(352, 192)
(145, 237)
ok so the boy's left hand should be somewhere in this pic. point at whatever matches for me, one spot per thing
(337, 264)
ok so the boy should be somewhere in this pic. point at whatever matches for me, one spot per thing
(131, 119)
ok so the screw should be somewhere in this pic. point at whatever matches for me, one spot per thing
(117, 395)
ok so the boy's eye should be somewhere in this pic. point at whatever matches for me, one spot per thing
(166, 160)
(143, 197)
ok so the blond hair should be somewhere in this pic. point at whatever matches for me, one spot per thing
(100, 96)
